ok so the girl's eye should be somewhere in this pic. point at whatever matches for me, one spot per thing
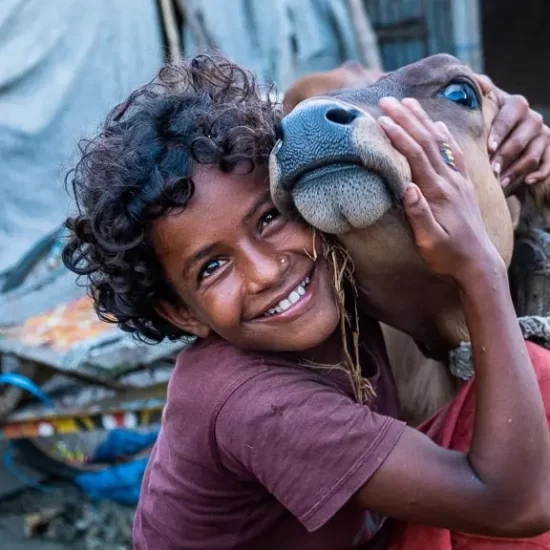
(462, 93)
(210, 268)
(267, 218)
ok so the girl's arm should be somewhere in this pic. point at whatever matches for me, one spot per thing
(501, 487)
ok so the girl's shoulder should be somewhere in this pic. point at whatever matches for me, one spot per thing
(214, 376)
(212, 365)
(210, 370)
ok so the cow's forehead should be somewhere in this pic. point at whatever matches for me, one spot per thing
(421, 80)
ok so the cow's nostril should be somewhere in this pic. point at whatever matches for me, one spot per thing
(341, 116)
(279, 135)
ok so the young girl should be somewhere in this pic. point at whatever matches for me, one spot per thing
(259, 448)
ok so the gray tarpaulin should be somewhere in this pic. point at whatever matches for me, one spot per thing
(281, 40)
(63, 65)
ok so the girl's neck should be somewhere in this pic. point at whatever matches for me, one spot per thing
(330, 352)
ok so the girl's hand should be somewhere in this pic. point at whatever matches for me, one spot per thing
(519, 141)
(441, 204)
(420, 482)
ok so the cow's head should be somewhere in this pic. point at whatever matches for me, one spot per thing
(335, 167)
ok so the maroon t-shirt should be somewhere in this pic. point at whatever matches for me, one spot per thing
(257, 452)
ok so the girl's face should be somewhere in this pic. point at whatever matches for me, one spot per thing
(244, 271)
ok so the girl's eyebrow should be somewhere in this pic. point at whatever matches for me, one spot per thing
(263, 199)
(197, 257)
(209, 248)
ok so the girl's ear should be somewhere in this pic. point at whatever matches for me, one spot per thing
(182, 318)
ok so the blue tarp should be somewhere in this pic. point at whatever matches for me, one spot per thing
(122, 482)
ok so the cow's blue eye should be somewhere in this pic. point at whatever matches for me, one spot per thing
(461, 93)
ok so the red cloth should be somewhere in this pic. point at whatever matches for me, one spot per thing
(452, 428)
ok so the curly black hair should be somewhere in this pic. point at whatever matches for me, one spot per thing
(204, 110)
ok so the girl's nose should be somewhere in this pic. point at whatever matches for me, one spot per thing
(266, 268)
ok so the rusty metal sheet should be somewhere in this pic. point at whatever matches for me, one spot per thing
(70, 337)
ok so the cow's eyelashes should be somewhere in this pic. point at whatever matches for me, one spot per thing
(462, 93)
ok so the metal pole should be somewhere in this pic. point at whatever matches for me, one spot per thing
(467, 33)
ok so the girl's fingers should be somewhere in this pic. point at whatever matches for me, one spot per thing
(414, 106)
(421, 168)
(455, 147)
(528, 162)
(512, 149)
(426, 228)
(440, 131)
(423, 133)
(514, 109)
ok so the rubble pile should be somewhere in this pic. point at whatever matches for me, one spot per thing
(66, 517)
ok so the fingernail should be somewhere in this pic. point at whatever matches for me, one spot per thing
(386, 121)
(530, 181)
(505, 182)
(497, 168)
(411, 101)
(389, 99)
(411, 195)
(442, 126)
(494, 145)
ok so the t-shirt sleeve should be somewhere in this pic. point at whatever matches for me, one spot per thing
(309, 444)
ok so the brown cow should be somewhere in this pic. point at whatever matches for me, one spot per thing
(335, 166)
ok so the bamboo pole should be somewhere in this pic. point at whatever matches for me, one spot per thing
(170, 24)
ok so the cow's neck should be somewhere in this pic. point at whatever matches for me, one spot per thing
(435, 334)
(400, 290)
(450, 330)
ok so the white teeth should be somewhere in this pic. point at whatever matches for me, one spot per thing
(294, 296)
(291, 299)
(284, 304)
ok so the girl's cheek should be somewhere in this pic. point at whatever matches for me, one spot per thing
(304, 235)
(224, 305)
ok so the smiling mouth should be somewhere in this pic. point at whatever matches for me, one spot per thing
(293, 298)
